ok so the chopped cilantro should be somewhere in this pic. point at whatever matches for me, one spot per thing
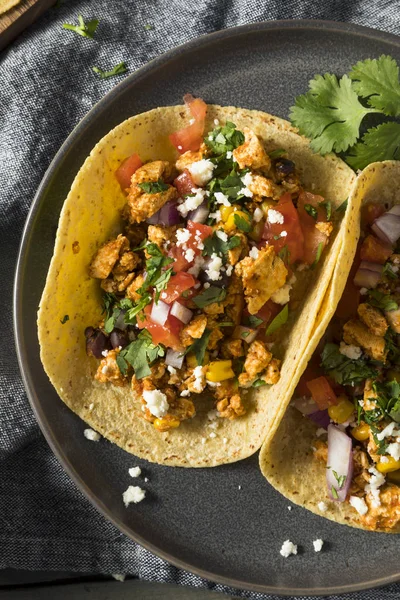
(277, 153)
(382, 301)
(393, 346)
(284, 254)
(226, 324)
(209, 296)
(198, 348)
(214, 245)
(318, 255)
(153, 187)
(254, 321)
(279, 320)
(388, 271)
(139, 354)
(64, 319)
(388, 398)
(86, 30)
(340, 479)
(131, 314)
(242, 223)
(149, 27)
(343, 207)
(154, 266)
(117, 70)
(224, 139)
(161, 283)
(311, 210)
(344, 370)
(328, 207)
(258, 383)
(334, 492)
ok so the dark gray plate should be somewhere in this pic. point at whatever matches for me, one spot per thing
(200, 519)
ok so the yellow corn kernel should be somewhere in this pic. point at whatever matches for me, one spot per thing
(219, 370)
(166, 423)
(266, 205)
(230, 223)
(390, 465)
(191, 359)
(225, 212)
(341, 411)
(361, 432)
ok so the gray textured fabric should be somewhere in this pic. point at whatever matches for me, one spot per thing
(46, 523)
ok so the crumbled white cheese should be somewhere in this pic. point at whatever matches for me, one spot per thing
(222, 199)
(359, 504)
(180, 148)
(198, 383)
(203, 440)
(214, 383)
(146, 479)
(91, 407)
(224, 440)
(258, 215)
(283, 233)
(156, 402)
(196, 267)
(394, 450)
(289, 508)
(350, 351)
(134, 471)
(229, 154)
(282, 296)
(318, 545)
(185, 393)
(182, 236)
(201, 171)
(212, 435)
(118, 577)
(375, 482)
(171, 369)
(215, 215)
(274, 216)
(386, 432)
(322, 506)
(247, 179)
(192, 202)
(216, 122)
(288, 548)
(212, 414)
(189, 255)
(221, 235)
(254, 252)
(239, 487)
(384, 459)
(164, 295)
(214, 267)
(394, 268)
(303, 267)
(104, 352)
(91, 435)
(206, 285)
(133, 494)
(229, 269)
(320, 431)
(363, 291)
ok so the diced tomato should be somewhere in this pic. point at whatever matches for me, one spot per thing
(312, 236)
(198, 232)
(179, 283)
(294, 240)
(178, 254)
(184, 183)
(370, 212)
(167, 334)
(127, 169)
(322, 392)
(191, 137)
(373, 250)
(313, 371)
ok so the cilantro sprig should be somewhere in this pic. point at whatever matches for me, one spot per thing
(331, 113)
(199, 346)
(117, 70)
(153, 187)
(343, 370)
(382, 301)
(140, 354)
(209, 296)
(224, 139)
(86, 30)
(215, 245)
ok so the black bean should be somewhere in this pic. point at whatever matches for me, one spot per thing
(284, 166)
(119, 338)
(96, 342)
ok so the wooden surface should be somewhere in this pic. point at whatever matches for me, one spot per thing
(18, 18)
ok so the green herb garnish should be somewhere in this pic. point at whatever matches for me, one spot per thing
(388, 271)
(344, 370)
(214, 245)
(311, 210)
(153, 187)
(117, 70)
(277, 153)
(334, 492)
(140, 354)
(224, 139)
(279, 320)
(258, 383)
(328, 207)
(318, 255)
(86, 30)
(254, 321)
(241, 223)
(64, 319)
(339, 478)
(343, 207)
(209, 296)
(382, 301)
(199, 347)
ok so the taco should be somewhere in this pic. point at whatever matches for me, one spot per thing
(193, 251)
(337, 450)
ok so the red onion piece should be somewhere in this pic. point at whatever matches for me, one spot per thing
(368, 275)
(174, 359)
(320, 418)
(181, 312)
(305, 405)
(200, 214)
(167, 215)
(387, 226)
(159, 312)
(340, 460)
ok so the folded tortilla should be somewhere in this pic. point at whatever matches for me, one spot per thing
(287, 460)
(91, 216)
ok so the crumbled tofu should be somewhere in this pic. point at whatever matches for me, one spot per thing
(91, 435)
(156, 402)
(322, 506)
(274, 216)
(359, 504)
(350, 351)
(282, 296)
(201, 171)
(133, 494)
(288, 548)
(318, 545)
(254, 252)
(135, 471)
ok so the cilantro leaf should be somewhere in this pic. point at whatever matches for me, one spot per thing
(344, 370)
(328, 207)
(334, 492)
(86, 30)
(382, 301)
(339, 478)
(254, 321)
(318, 255)
(279, 320)
(388, 271)
(130, 316)
(210, 295)
(198, 348)
(242, 223)
(153, 187)
(258, 383)
(148, 27)
(154, 266)
(379, 143)
(139, 354)
(378, 80)
(284, 254)
(343, 207)
(311, 210)
(64, 319)
(214, 245)
(224, 139)
(117, 70)
(330, 113)
(161, 283)
(277, 153)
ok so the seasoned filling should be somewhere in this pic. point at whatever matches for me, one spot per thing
(356, 395)
(201, 275)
